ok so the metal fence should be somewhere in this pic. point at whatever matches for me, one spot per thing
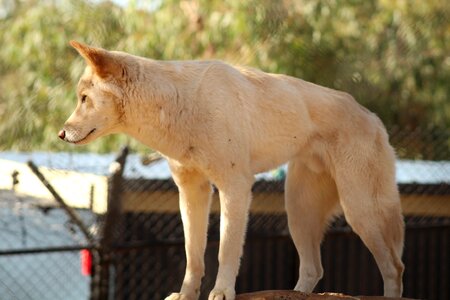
(39, 251)
(131, 226)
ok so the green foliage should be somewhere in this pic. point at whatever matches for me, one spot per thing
(393, 56)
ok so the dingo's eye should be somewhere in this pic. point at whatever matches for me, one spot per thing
(83, 98)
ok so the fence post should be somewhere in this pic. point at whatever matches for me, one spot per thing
(103, 256)
(74, 217)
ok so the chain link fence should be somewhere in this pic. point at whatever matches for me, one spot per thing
(40, 250)
(132, 230)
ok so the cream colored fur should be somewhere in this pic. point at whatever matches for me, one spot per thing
(220, 124)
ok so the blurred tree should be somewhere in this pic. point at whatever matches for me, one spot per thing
(393, 56)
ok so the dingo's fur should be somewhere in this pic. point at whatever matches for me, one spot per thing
(221, 124)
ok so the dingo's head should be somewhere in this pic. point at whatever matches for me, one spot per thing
(100, 98)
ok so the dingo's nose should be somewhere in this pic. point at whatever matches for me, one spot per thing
(62, 134)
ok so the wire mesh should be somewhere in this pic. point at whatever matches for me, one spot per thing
(40, 250)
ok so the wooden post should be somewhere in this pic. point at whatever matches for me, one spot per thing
(70, 212)
(293, 295)
(103, 259)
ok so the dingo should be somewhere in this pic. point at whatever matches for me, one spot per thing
(220, 124)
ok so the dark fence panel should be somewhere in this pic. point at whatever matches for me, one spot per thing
(155, 268)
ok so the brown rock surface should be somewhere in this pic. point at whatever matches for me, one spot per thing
(293, 295)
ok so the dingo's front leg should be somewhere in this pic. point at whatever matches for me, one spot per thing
(195, 198)
(234, 205)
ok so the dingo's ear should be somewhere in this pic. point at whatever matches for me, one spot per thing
(101, 61)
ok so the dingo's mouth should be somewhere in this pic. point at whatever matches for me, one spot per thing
(81, 140)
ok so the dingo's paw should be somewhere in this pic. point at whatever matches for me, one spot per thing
(227, 294)
(178, 296)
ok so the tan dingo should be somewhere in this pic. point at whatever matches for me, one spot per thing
(221, 124)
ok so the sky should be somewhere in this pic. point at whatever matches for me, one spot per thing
(145, 4)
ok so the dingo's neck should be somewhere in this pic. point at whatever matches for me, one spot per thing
(153, 111)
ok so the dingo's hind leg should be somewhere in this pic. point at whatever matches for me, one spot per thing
(310, 200)
(372, 208)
